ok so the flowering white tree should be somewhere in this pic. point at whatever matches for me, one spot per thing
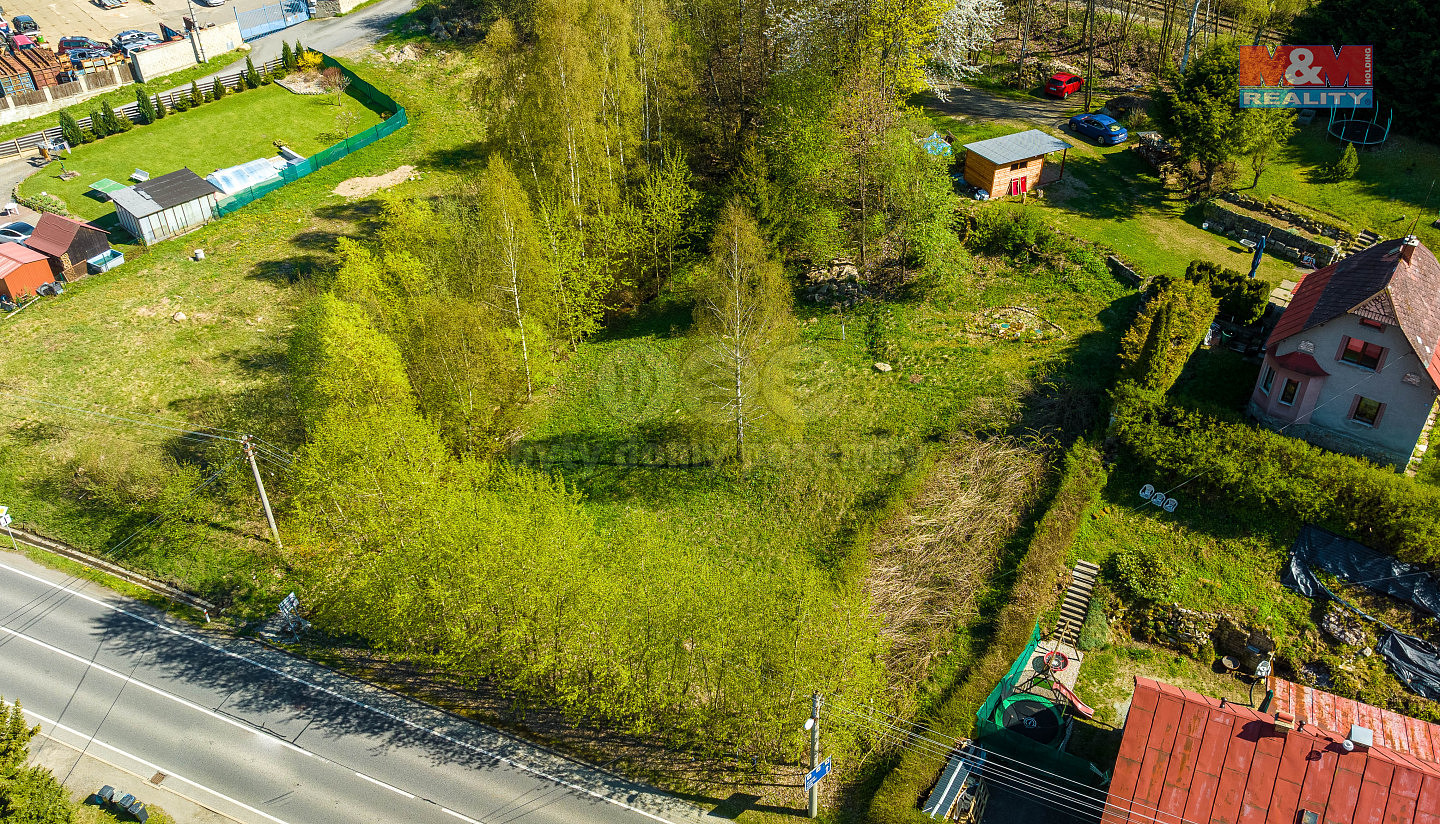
(966, 27)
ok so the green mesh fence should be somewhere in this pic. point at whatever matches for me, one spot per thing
(358, 87)
(994, 737)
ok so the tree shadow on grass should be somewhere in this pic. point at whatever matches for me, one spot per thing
(469, 158)
(1116, 187)
(291, 271)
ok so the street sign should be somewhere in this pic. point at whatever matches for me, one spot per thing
(813, 777)
(289, 605)
(4, 520)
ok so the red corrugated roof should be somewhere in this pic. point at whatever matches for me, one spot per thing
(54, 234)
(13, 256)
(1186, 759)
(1401, 733)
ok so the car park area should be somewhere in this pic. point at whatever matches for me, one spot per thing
(103, 19)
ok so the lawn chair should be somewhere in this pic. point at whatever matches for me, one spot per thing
(139, 175)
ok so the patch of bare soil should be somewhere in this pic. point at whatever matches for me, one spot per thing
(366, 186)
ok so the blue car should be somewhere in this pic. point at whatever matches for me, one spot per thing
(1103, 129)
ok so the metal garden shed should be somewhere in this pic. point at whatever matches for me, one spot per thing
(165, 206)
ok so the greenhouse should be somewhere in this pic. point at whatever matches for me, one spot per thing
(239, 178)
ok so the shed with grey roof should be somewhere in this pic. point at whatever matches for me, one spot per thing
(1013, 164)
(165, 206)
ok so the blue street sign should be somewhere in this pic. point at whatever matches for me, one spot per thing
(813, 777)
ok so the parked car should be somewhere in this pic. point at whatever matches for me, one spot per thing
(1063, 84)
(26, 41)
(78, 56)
(23, 23)
(17, 232)
(1102, 128)
(133, 35)
(211, 2)
(79, 42)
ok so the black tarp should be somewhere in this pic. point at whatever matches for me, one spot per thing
(1414, 661)
(1358, 564)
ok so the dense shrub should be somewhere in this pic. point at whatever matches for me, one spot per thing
(1139, 573)
(1241, 297)
(1250, 467)
(1036, 589)
(1165, 334)
(1095, 632)
(196, 97)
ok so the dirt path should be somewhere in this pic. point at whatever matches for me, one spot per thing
(962, 101)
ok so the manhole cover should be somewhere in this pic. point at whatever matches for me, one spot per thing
(157, 778)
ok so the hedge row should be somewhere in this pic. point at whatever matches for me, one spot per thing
(1246, 466)
(1167, 332)
(1037, 587)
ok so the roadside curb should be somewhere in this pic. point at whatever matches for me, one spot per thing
(81, 557)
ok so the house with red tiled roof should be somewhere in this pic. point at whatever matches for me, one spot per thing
(1354, 362)
(1188, 759)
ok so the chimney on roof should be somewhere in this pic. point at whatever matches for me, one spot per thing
(1284, 721)
(1407, 247)
(1360, 737)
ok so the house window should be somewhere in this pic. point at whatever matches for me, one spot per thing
(1362, 354)
(1373, 324)
(1022, 164)
(1367, 411)
(1292, 388)
(1269, 380)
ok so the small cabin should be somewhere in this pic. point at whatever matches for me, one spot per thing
(22, 271)
(1013, 164)
(68, 243)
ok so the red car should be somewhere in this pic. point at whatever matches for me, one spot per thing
(1062, 85)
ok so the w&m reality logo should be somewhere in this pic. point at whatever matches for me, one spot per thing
(1307, 77)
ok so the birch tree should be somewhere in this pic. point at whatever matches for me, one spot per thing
(511, 253)
(742, 319)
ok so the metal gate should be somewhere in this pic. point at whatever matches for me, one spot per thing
(272, 18)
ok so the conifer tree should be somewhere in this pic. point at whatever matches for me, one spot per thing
(217, 90)
(196, 98)
(252, 77)
(145, 106)
(98, 125)
(70, 129)
(287, 56)
(160, 107)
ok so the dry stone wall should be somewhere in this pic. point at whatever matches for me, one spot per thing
(1281, 243)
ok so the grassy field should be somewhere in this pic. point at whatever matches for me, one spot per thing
(234, 129)
(121, 95)
(1111, 196)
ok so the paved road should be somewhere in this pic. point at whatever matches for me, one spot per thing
(969, 102)
(269, 739)
(336, 36)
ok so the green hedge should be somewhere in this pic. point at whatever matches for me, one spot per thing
(1166, 333)
(1246, 466)
(1034, 593)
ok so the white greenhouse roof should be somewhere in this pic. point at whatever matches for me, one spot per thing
(238, 178)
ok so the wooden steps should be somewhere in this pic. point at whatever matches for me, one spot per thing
(1077, 602)
(1363, 241)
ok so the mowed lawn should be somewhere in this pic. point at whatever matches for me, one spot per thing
(237, 128)
(1109, 195)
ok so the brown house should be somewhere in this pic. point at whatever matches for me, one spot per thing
(1011, 165)
(21, 271)
(68, 243)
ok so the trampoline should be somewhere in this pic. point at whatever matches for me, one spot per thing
(1355, 126)
(1033, 716)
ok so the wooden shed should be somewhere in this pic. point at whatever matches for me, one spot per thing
(22, 271)
(68, 243)
(165, 206)
(1011, 165)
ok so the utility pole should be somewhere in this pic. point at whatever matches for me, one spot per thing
(1189, 36)
(259, 484)
(1024, 42)
(814, 725)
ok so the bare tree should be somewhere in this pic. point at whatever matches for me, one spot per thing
(334, 81)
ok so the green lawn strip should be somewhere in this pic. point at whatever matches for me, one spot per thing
(1034, 593)
(77, 570)
(1387, 195)
(122, 95)
(232, 130)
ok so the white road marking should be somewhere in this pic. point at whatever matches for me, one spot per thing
(169, 773)
(383, 784)
(459, 816)
(382, 713)
(156, 690)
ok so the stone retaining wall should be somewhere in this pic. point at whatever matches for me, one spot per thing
(1305, 222)
(1282, 243)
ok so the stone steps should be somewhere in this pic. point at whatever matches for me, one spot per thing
(1363, 241)
(1077, 602)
